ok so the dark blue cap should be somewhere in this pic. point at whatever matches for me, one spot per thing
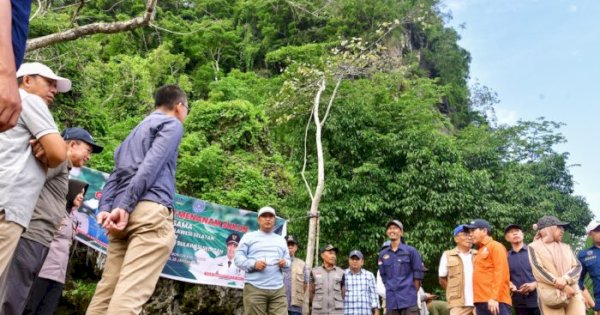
(81, 134)
(479, 224)
(356, 253)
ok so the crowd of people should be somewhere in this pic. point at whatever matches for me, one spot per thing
(37, 199)
(544, 277)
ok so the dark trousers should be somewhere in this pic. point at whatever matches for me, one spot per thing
(482, 309)
(294, 313)
(17, 279)
(527, 311)
(43, 297)
(413, 310)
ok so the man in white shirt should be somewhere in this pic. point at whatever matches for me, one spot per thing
(456, 273)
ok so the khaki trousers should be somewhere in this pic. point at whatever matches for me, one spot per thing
(576, 307)
(462, 310)
(10, 233)
(135, 260)
(263, 301)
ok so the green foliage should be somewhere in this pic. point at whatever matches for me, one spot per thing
(78, 296)
(405, 138)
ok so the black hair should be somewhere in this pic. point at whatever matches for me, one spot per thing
(169, 96)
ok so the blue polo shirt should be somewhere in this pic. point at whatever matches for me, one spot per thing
(590, 263)
(520, 273)
(398, 269)
(20, 28)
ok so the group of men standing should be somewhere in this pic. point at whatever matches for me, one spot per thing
(489, 280)
(136, 206)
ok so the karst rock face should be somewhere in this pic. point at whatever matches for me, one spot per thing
(170, 296)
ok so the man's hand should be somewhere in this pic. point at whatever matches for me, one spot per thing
(282, 263)
(375, 311)
(588, 299)
(117, 220)
(10, 101)
(513, 287)
(260, 265)
(430, 297)
(38, 151)
(493, 307)
(102, 217)
(526, 288)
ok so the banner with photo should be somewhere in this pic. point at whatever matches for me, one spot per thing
(203, 229)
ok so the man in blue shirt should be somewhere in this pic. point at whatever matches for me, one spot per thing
(590, 262)
(263, 255)
(401, 270)
(14, 28)
(522, 282)
(136, 207)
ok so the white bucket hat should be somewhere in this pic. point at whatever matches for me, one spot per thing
(36, 68)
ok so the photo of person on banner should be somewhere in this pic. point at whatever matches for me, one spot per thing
(225, 264)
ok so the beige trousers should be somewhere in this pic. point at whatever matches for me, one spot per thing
(575, 307)
(10, 233)
(462, 310)
(135, 260)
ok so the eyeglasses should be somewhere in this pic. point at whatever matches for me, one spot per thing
(186, 107)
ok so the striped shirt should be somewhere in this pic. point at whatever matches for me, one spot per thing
(361, 296)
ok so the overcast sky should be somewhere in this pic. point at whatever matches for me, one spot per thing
(542, 58)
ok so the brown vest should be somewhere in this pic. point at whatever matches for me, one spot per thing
(297, 281)
(328, 293)
(455, 290)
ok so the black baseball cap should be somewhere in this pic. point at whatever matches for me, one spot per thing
(77, 133)
(479, 224)
(512, 226)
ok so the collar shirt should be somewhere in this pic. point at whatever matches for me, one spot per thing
(491, 276)
(520, 273)
(398, 270)
(590, 264)
(361, 295)
(145, 165)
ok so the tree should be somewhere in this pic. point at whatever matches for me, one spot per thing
(94, 28)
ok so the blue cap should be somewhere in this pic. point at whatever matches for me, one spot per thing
(356, 253)
(82, 135)
(460, 228)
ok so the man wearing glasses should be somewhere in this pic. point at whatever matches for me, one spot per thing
(456, 273)
(136, 207)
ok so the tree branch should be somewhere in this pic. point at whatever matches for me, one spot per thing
(333, 94)
(303, 172)
(95, 28)
(76, 13)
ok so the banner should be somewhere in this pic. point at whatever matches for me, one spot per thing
(203, 229)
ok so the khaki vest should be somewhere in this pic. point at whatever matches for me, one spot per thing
(328, 293)
(297, 281)
(455, 290)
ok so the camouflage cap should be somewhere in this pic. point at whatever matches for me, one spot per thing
(328, 247)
